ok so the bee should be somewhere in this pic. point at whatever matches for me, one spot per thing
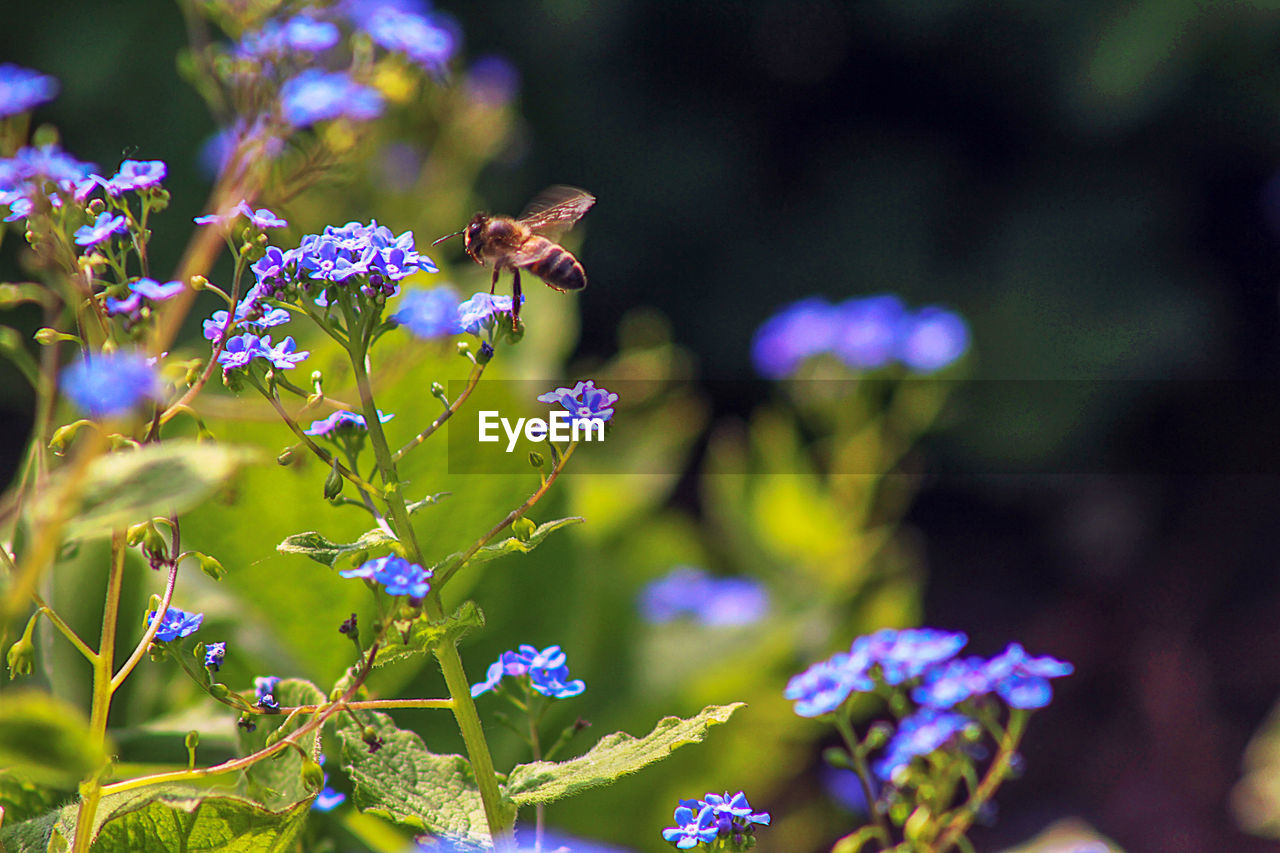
(525, 242)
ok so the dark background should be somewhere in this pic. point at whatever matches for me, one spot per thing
(1093, 184)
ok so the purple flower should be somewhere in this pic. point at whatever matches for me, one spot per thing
(307, 35)
(397, 575)
(21, 89)
(175, 624)
(920, 734)
(481, 312)
(315, 95)
(584, 401)
(242, 349)
(340, 420)
(261, 218)
(424, 40)
(136, 175)
(868, 330)
(1023, 681)
(110, 383)
(214, 654)
(933, 338)
(733, 813)
(692, 828)
(284, 355)
(264, 691)
(955, 681)
(554, 682)
(802, 329)
(102, 228)
(155, 291)
(130, 306)
(429, 313)
(686, 591)
(328, 799)
(824, 686)
(547, 670)
(907, 654)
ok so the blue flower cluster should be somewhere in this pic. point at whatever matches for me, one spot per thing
(396, 574)
(547, 670)
(482, 312)
(21, 89)
(584, 401)
(864, 333)
(110, 384)
(176, 624)
(23, 176)
(371, 252)
(406, 26)
(315, 95)
(688, 591)
(214, 655)
(264, 692)
(243, 349)
(144, 291)
(716, 816)
(923, 663)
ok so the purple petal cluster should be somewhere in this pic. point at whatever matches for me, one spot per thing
(315, 95)
(429, 313)
(261, 218)
(715, 816)
(865, 333)
(103, 227)
(547, 670)
(584, 401)
(110, 384)
(23, 175)
(690, 592)
(264, 691)
(214, 655)
(134, 175)
(340, 421)
(396, 574)
(481, 311)
(251, 314)
(1020, 680)
(243, 349)
(300, 34)
(427, 41)
(175, 624)
(21, 89)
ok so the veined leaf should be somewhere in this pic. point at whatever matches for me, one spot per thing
(326, 553)
(514, 545)
(615, 755)
(277, 781)
(425, 635)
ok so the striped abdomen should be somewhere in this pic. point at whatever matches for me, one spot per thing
(552, 263)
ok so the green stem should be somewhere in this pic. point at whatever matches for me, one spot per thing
(954, 830)
(864, 776)
(91, 788)
(66, 630)
(448, 413)
(455, 677)
(149, 634)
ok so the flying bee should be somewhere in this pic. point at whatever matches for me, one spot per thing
(525, 242)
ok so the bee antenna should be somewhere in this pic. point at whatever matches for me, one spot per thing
(447, 237)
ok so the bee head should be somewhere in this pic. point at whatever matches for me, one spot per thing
(473, 235)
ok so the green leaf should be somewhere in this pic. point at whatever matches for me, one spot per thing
(425, 635)
(326, 553)
(514, 544)
(28, 836)
(120, 488)
(615, 755)
(176, 819)
(22, 798)
(277, 781)
(46, 739)
(405, 783)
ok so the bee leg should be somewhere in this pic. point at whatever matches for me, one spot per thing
(515, 299)
(494, 284)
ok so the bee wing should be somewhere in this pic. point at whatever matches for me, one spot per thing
(555, 209)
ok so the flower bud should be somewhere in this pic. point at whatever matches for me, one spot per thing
(536, 460)
(486, 353)
(523, 529)
(96, 206)
(312, 774)
(134, 534)
(198, 282)
(153, 542)
(210, 566)
(47, 336)
(287, 456)
(218, 690)
(437, 391)
(64, 435)
(333, 483)
(22, 654)
(464, 349)
(192, 739)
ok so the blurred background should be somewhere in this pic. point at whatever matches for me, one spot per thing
(1094, 185)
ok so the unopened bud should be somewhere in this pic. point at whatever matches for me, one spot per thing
(218, 690)
(486, 353)
(198, 282)
(523, 529)
(437, 391)
(192, 739)
(134, 535)
(312, 774)
(64, 435)
(536, 460)
(333, 483)
(96, 206)
(47, 336)
(210, 566)
(22, 654)
(287, 456)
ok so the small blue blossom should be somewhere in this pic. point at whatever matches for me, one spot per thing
(285, 354)
(920, 734)
(264, 686)
(481, 312)
(21, 89)
(547, 670)
(242, 349)
(802, 329)
(154, 291)
(102, 228)
(952, 683)
(110, 383)
(136, 175)
(555, 682)
(340, 420)
(687, 591)
(825, 685)
(584, 401)
(1023, 681)
(273, 265)
(261, 218)
(315, 95)
(429, 313)
(692, 828)
(214, 654)
(934, 338)
(130, 306)
(396, 574)
(305, 34)
(868, 330)
(424, 40)
(907, 654)
(175, 624)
